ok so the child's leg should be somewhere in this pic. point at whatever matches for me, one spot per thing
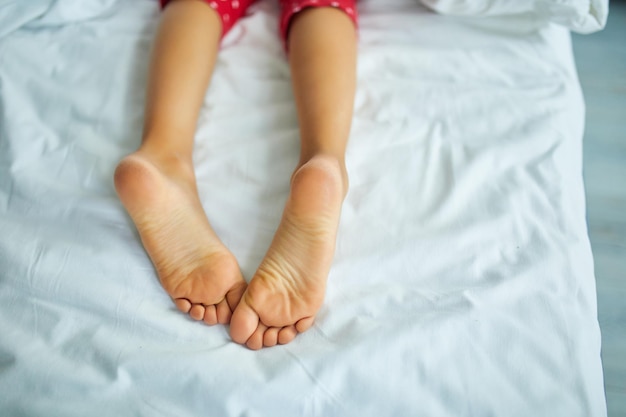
(288, 288)
(157, 184)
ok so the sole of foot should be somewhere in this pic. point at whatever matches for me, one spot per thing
(194, 267)
(288, 288)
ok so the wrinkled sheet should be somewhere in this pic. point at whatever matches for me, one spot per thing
(463, 279)
(582, 16)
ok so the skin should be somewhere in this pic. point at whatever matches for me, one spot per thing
(157, 186)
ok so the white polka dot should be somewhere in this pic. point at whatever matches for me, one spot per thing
(235, 4)
(226, 17)
(349, 10)
(213, 4)
(334, 4)
(297, 9)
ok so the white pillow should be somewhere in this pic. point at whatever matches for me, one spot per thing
(582, 16)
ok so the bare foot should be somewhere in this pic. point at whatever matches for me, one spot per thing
(194, 267)
(288, 288)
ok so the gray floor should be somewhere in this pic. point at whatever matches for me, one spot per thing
(601, 61)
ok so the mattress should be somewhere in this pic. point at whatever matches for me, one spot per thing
(463, 279)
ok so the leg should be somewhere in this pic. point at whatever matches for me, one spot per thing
(289, 286)
(157, 185)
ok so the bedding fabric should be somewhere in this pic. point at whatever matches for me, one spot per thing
(463, 279)
(582, 16)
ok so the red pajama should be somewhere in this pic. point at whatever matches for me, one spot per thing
(232, 10)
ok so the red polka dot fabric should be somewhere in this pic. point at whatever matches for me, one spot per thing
(289, 8)
(231, 11)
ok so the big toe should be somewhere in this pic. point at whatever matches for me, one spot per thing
(233, 296)
(243, 322)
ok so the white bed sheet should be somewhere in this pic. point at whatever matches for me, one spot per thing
(463, 280)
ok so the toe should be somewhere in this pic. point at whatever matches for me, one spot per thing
(197, 312)
(210, 315)
(234, 295)
(304, 324)
(255, 342)
(223, 312)
(270, 338)
(183, 304)
(243, 322)
(287, 334)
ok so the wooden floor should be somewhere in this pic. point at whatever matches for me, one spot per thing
(601, 61)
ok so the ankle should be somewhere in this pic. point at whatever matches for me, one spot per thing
(174, 165)
(334, 164)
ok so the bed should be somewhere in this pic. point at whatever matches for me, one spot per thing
(463, 279)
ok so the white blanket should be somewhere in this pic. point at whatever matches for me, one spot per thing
(463, 280)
